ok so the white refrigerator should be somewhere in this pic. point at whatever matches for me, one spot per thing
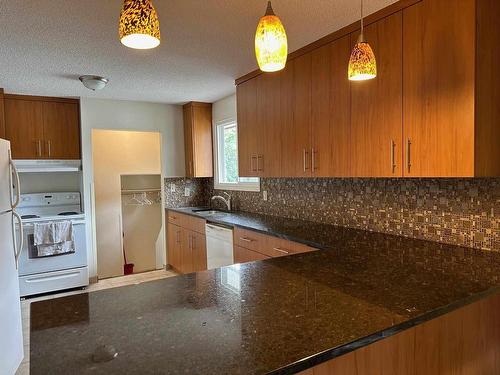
(11, 333)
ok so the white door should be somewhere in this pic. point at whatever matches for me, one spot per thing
(11, 337)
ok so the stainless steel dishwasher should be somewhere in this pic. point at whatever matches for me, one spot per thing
(219, 245)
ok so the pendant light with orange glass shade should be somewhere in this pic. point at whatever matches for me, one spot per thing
(362, 63)
(271, 46)
(139, 25)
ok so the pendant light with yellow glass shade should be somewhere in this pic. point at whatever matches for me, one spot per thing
(139, 25)
(362, 63)
(271, 46)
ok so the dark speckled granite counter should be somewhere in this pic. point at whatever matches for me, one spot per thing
(280, 315)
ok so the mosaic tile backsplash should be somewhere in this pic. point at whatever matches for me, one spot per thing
(199, 192)
(457, 211)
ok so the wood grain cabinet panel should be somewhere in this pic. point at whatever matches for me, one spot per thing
(246, 101)
(199, 249)
(24, 128)
(439, 76)
(61, 130)
(242, 255)
(198, 139)
(174, 238)
(376, 105)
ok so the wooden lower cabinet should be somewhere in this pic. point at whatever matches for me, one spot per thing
(199, 250)
(465, 341)
(174, 241)
(242, 255)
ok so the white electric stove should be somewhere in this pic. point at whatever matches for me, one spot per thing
(43, 274)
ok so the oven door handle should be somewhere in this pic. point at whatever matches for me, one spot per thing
(18, 246)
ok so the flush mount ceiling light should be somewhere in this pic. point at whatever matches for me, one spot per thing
(362, 63)
(271, 46)
(139, 25)
(94, 82)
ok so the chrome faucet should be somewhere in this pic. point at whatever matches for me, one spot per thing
(226, 200)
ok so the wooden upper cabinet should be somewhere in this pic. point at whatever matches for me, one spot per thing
(376, 105)
(297, 141)
(198, 139)
(330, 110)
(246, 102)
(42, 128)
(61, 130)
(2, 115)
(24, 128)
(450, 57)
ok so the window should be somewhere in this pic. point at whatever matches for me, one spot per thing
(226, 160)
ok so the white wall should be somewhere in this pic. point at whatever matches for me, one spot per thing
(224, 109)
(126, 115)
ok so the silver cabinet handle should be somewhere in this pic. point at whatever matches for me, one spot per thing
(260, 157)
(393, 161)
(252, 158)
(39, 147)
(246, 239)
(305, 153)
(49, 148)
(281, 250)
(313, 159)
(14, 203)
(408, 154)
(18, 246)
(193, 242)
(178, 237)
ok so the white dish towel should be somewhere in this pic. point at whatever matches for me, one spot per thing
(53, 238)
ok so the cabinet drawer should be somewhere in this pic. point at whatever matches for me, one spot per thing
(242, 255)
(195, 224)
(176, 218)
(249, 239)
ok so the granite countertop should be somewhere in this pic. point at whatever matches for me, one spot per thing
(281, 315)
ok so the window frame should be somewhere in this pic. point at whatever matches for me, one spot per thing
(236, 186)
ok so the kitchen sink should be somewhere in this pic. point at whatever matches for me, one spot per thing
(210, 212)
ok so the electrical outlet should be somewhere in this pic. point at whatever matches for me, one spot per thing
(172, 188)
(264, 195)
(187, 192)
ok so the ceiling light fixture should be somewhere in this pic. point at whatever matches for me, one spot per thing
(271, 46)
(139, 25)
(94, 83)
(362, 63)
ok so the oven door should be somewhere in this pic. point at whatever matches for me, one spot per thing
(30, 263)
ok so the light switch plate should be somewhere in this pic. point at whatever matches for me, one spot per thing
(187, 192)
(264, 195)
(172, 188)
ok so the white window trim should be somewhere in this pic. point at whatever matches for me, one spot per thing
(239, 186)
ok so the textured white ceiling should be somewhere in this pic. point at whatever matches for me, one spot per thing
(46, 44)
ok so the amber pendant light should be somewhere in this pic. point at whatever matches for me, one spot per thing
(139, 25)
(362, 63)
(271, 46)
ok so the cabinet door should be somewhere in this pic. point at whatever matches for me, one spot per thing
(247, 128)
(61, 130)
(330, 110)
(376, 105)
(199, 247)
(24, 128)
(174, 234)
(188, 140)
(242, 255)
(439, 73)
(269, 125)
(296, 139)
(202, 140)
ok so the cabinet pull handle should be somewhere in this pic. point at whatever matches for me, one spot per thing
(39, 147)
(246, 239)
(408, 154)
(48, 147)
(313, 159)
(260, 157)
(252, 158)
(193, 242)
(281, 250)
(177, 235)
(305, 160)
(393, 161)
